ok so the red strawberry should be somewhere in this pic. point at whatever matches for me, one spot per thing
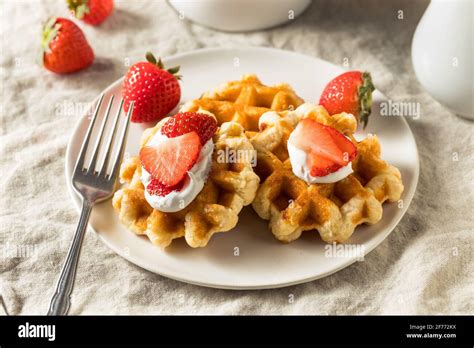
(327, 149)
(155, 91)
(64, 47)
(156, 188)
(169, 161)
(204, 125)
(91, 11)
(350, 92)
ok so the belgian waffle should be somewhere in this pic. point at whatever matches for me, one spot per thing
(229, 187)
(244, 101)
(334, 210)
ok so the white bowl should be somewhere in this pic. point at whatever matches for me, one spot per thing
(240, 15)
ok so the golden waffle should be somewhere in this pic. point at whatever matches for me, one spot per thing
(336, 209)
(229, 187)
(244, 101)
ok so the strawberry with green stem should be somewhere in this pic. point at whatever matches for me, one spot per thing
(92, 12)
(349, 92)
(154, 90)
(64, 47)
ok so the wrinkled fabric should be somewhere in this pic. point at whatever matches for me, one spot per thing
(425, 266)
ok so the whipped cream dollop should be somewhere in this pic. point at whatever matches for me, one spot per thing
(194, 182)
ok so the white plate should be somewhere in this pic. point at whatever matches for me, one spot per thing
(262, 261)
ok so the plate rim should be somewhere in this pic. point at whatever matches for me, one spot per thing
(388, 230)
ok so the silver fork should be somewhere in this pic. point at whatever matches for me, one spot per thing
(94, 186)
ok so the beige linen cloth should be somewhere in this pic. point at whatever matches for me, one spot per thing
(425, 266)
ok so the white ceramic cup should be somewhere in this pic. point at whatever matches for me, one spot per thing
(240, 15)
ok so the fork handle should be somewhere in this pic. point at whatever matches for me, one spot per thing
(61, 300)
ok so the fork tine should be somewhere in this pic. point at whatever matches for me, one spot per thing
(95, 153)
(108, 149)
(85, 144)
(123, 141)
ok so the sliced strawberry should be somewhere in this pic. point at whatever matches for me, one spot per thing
(204, 125)
(313, 137)
(156, 188)
(349, 150)
(169, 161)
(321, 166)
(327, 149)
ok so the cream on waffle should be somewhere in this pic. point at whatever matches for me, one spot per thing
(292, 205)
(244, 101)
(230, 185)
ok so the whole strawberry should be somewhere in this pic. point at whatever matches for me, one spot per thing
(92, 12)
(64, 47)
(349, 92)
(154, 90)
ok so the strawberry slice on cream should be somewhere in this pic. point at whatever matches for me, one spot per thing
(320, 154)
(177, 160)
